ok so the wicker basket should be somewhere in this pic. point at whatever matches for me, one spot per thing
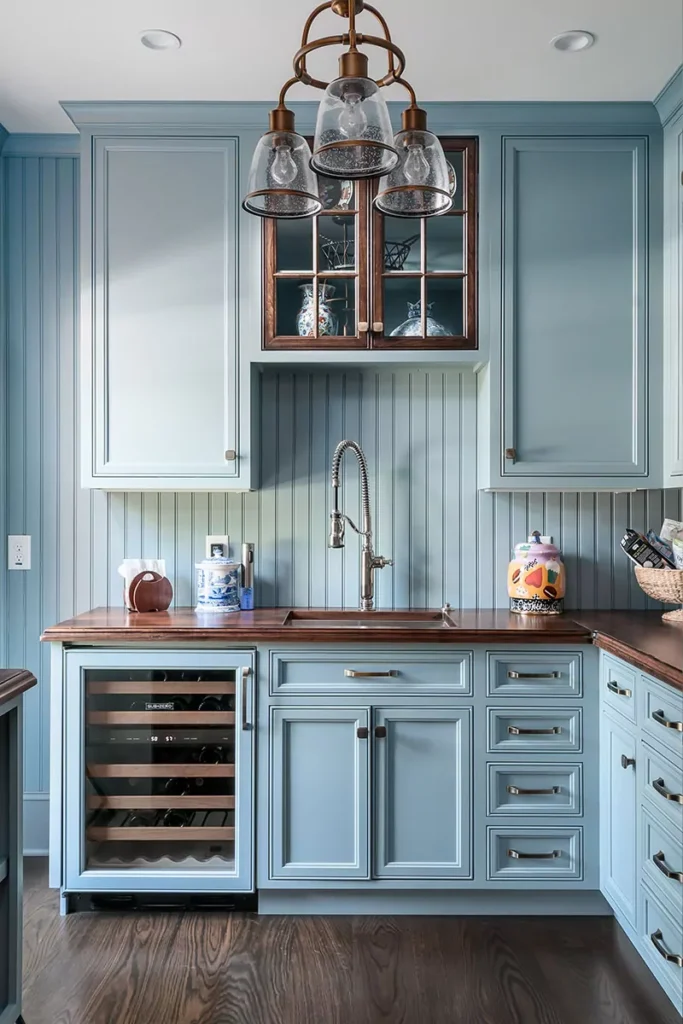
(664, 585)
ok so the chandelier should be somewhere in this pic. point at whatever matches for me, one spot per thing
(353, 134)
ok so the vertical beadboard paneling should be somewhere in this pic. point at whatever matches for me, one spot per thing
(418, 428)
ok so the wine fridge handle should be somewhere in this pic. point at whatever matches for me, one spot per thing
(246, 673)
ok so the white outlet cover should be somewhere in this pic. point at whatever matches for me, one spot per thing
(18, 551)
(217, 538)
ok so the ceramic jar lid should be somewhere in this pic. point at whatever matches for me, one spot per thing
(539, 547)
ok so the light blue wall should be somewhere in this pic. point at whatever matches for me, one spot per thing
(449, 541)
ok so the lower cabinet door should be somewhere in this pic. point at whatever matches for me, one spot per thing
(422, 798)
(319, 760)
(618, 849)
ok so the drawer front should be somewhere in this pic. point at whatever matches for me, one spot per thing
(663, 717)
(662, 859)
(535, 675)
(618, 687)
(359, 670)
(535, 789)
(536, 854)
(532, 730)
(662, 785)
(662, 937)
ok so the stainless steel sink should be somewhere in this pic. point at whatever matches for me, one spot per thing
(321, 619)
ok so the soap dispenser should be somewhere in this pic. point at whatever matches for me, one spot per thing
(536, 577)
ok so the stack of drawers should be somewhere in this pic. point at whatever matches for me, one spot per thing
(536, 803)
(642, 815)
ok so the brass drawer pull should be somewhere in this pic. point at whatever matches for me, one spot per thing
(626, 762)
(352, 673)
(659, 717)
(516, 855)
(659, 787)
(672, 958)
(380, 731)
(660, 862)
(621, 691)
(514, 731)
(362, 732)
(246, 672)
(534, 675)
(516, 791)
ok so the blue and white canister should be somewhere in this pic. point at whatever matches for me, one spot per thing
(218, 585)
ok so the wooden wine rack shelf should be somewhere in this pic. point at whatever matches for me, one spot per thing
(124, 686)
(168, 718)
(138, 803)
(102, 834)
(160, 771)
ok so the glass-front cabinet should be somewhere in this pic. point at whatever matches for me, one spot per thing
(159, 771)
(351, 278)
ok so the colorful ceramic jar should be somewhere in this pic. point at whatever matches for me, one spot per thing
(536, 577)
(305, 320)
(218, 585)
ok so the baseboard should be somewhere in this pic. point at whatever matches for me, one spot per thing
(36, 829)
(581, 903)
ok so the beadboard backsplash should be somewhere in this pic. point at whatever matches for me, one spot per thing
(448, 540)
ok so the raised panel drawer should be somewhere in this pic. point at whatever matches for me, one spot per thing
(536, 854)
(662, 937)
(534, 789)
(662, 859)
(535, 675)
(662, 785)
(359, 670)
(618, 687)
(534, 730)
(663, 716)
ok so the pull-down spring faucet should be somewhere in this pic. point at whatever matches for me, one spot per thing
(369, 560)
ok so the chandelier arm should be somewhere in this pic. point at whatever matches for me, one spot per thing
(284, 90)
(304, 77)
(387, 34)
(385, 44)
(408, 87)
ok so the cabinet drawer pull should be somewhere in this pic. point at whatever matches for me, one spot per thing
(660, 862)
(516, 855)
(627, 761)
(511, 454)
(534, 675)
(514, 731)
(621, 691)
(659, 787)
(672, 958)
(380, 731)
(516, 791)
(352, 673)
(362, 732)
(659, 717)
(246, 672)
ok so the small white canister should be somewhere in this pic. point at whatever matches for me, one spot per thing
(218, 585)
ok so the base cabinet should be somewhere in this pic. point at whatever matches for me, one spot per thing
(618, 874)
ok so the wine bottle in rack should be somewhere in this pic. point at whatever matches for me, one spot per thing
(212, 755)
(214, 702)
(177, 819)
(142, 819)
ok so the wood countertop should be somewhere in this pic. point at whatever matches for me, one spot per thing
(14, 681)
(641, 638)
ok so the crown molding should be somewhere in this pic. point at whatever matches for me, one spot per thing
(67, 144)
(3, 137)
(669, 101)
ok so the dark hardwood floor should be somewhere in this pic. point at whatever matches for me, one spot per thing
(215, 968)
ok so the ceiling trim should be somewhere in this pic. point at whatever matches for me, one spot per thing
(670, 100)
(4, 135)
(36, 144)
(444, 116)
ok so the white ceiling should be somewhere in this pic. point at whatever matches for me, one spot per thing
(455, 49)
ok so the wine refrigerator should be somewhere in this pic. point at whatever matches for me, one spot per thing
(158, 780)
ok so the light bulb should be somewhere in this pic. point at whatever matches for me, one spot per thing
(416, 167)
(283, 169)
(352, 120)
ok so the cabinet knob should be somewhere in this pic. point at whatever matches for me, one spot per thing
(362, 732)
(230, 455)
(380, 731)
(378, 327)
(363, 326)
(511, 454)
(626, 762)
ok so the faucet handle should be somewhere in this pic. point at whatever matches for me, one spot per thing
(379, 561)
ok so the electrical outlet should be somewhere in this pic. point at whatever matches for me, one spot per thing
(18, 551)
(217, 544)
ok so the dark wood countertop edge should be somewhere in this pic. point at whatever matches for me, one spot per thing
(639, 659)
(14, 682)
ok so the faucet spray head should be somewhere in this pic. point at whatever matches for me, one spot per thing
(336, 539)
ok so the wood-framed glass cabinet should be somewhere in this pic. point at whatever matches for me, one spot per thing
(351, 278)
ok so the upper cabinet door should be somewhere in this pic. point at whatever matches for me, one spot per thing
(673, 303)
(575, 307)
(162, 401)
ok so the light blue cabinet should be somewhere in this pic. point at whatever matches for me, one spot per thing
(673, 294)
(319, 792)
(572, 367)
(421, 809)
(618, 870)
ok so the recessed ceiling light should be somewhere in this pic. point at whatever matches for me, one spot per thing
(160, 39)
(573, 41)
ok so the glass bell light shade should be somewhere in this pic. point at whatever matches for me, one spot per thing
(281, 182)
(419, 186)
(353, 133)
